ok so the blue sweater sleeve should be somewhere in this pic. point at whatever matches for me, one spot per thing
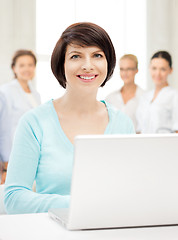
(22, 169)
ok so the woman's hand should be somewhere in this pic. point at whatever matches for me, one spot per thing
(4, 172)
(3, 177)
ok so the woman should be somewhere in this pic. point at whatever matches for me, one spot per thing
(18, 96)
(82, 61)
(158, 109)
(126, 99)
(5, 143)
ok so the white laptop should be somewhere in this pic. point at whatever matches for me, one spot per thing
(122, 181)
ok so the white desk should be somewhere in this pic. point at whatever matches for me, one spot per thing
(41, 227)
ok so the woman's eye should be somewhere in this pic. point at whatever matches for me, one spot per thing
(75, 56)
(97, 55)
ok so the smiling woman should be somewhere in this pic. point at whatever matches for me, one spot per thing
(82, 61)
(88, 65)
(16, 98)
(158, 109)
(128, 23)
(127, 97)
(78, 36)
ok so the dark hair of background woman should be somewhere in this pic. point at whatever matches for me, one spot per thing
(165, 55)
(82, 34)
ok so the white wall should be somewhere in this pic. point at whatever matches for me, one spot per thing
(162, 33)
(17, 30)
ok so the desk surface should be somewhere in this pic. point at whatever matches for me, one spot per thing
(40, 226)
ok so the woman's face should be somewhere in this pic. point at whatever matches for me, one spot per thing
(24, 68)
(85, 67)
(128, 69)
(159, 70)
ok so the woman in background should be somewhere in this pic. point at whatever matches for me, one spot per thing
(158, 108)
(126, 99)
(82, 61)
(4, 138)
(16, 98)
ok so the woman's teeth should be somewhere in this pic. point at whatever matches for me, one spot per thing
(87, 78)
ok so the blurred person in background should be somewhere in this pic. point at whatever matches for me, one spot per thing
(4, 138)
(126, 99)
(16, 98)
(158, 109)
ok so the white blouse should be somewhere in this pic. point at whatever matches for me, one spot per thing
(31, 98)
(115, 98)
(161, 115)
(13, 104)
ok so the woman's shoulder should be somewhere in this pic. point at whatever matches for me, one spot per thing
(42, 112)
(139, 91)
(170, 95)
(111, 108)
(171, 90)
(117, 117)
(8, 87)
(146, 96)
(113, 95)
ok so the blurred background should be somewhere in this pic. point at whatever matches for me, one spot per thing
(139, 27)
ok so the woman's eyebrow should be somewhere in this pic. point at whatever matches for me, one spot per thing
(98, 51)
(74, 51)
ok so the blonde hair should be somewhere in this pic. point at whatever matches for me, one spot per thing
(131, 57)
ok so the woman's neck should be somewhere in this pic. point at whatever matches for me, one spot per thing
(128, 91)
(81, 104)
(130, 87)
(24, 85)
(158, 88)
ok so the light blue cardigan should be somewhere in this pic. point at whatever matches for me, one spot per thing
(42, 152)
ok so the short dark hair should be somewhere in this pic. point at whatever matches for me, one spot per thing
(165, 55)
(82, 34)
(19, 53)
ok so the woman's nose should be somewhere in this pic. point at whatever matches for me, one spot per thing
(87, 64)
(158, 72)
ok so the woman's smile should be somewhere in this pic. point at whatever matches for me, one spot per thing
(87, 77)
(86, 64)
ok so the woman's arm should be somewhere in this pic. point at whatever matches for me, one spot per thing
(5, 129)
(5, 143)
(22, 169)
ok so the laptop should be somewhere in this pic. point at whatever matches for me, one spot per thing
(122, 181)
